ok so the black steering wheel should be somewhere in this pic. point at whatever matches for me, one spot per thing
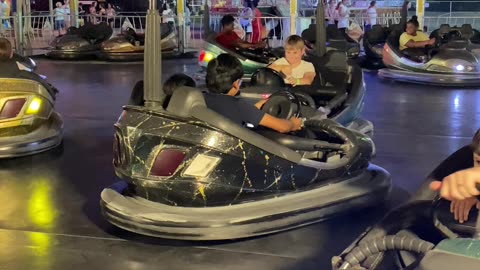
(305, 99)
(283, 104)
(453, 35)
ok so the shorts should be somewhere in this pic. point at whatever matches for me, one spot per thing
(60, 24)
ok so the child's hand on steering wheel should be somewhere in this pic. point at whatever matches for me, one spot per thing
(293, 81)
(297, 123)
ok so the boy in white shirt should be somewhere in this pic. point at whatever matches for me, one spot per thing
(296, 71)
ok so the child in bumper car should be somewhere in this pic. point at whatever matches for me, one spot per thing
(413, 42)
(223, 81)
(456, 177)
(230, 40)
(10, 68)
(295, 70)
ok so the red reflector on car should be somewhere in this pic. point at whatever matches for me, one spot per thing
(265, 96)
(201, 56)
(167, 162)
(12, 108)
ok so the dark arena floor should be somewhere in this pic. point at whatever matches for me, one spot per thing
(50, 217)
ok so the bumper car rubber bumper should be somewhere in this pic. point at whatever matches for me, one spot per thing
(46, 137)
(63, 54)
(248, 219)
(440, 79)
(362, 125)
(129, 56)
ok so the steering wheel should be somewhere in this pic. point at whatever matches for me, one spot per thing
(267, 77)
(453, 35)
(305, 99)
(283, 105)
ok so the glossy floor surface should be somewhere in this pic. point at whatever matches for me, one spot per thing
(49, 203)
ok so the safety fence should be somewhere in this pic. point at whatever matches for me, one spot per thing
(36, 32)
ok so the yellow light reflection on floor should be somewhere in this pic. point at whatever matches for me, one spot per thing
(41, 210)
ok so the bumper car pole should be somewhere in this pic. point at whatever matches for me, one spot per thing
(181, 26)
(321, 35)
(154, 95)
(18, 28)
(420, 12)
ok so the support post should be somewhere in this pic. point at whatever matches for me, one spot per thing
(28, 32)
(293, 17)
(421, 12)
(154, 95)
(74, 13)
(50, 7)
(321, 32)
(19, 34)
(181, 25)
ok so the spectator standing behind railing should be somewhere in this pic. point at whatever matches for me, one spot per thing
(371, 16)
(110, 15)
(257, 26)
(188, 22)
(92, 13)
(3, 15)
(59, 14)
(102, 13)
(343, 16)
(331, 11)
(66, 7)
(167, 14)
(246, 19)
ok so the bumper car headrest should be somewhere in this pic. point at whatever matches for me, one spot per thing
(376, 34)
(184, 99)
(444, 29)
(309, 34)
(467, 31)
(267, 77)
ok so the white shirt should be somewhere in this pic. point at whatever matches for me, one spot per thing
(371, 16)
(299, 71)
(3, 10)
(343, 16)
(168, 14)
(60, 14)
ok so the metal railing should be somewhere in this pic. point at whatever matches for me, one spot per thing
(38, 31)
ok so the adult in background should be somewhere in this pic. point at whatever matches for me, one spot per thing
(59, 14)
(343, 16)
(3, 14)
(110, 12)
(246, 19)
(330, 11)
(257, 26)
(371, 16)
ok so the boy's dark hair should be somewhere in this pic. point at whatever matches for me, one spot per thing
(175, 81)
(5, 49)
(222, 72)
(227, 20)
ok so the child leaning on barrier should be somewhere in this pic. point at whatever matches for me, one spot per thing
(295, 70)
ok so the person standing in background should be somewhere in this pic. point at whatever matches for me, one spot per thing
(3, 15)
(66, 7)
(59, 14)
(257, 27)
(110, 12)
(371, 16)
(246, 19)
(343, 16)
(331, 11)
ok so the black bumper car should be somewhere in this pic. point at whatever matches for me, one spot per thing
(336, 40)
(130, 46)
(373, 43)
(28, 121)
(421, 235)
(25, 61)
(78, 43)
(190, 173)
(454, 62)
